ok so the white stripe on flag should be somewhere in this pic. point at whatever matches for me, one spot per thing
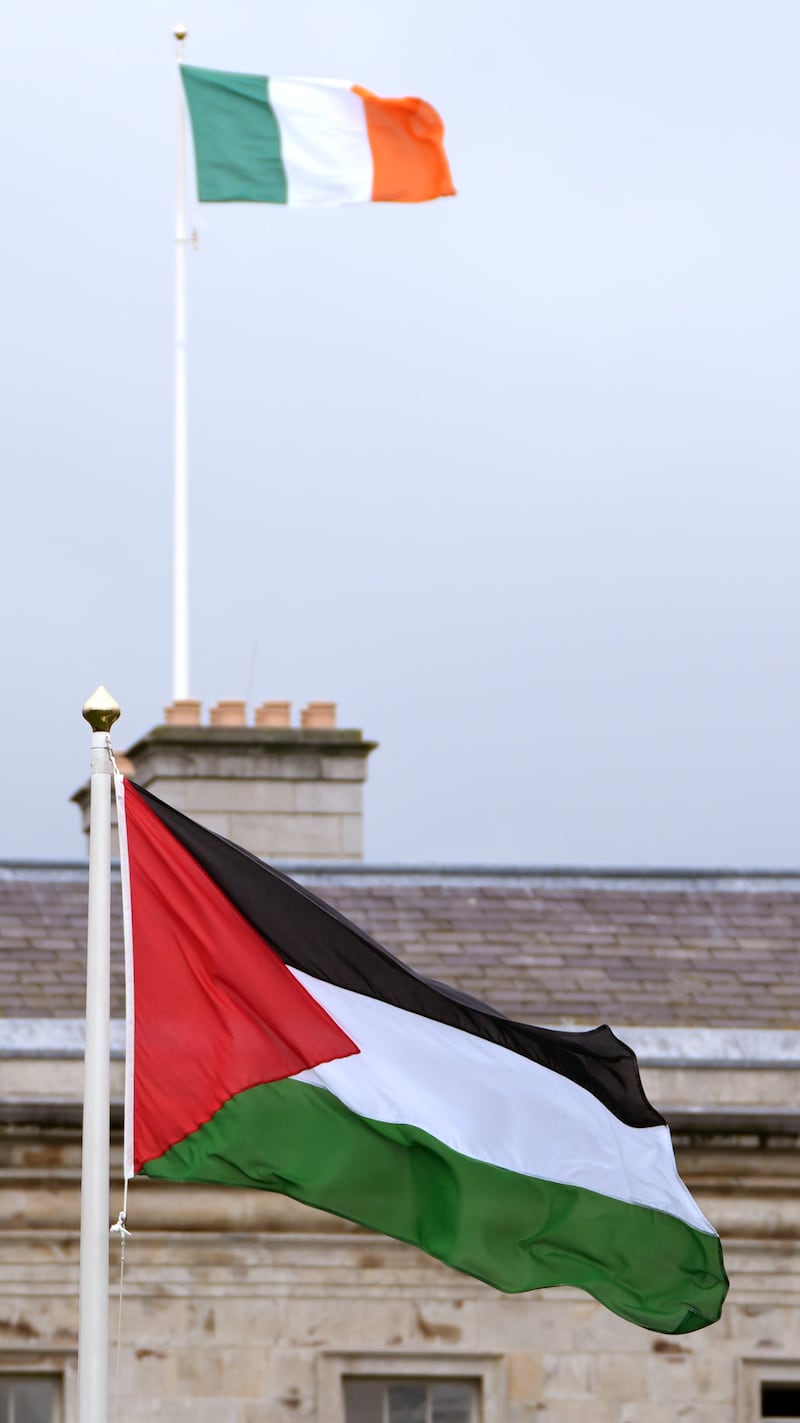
(493, 1105)
(324, 142)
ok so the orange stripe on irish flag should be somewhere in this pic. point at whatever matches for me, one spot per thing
(406, 137)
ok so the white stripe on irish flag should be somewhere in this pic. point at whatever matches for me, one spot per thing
(324, 141)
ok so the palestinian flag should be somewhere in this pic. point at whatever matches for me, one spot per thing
(271, 1043)
(311, 142)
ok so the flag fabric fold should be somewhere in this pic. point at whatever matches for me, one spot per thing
(311, 142)
(272, 1043)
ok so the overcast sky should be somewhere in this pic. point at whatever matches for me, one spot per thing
(514, 477)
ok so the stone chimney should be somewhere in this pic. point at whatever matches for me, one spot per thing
(281, 791)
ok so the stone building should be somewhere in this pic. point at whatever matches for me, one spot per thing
(246, 1307)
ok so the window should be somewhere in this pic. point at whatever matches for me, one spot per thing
(30, 1398)
(781, 1400)
(410, 1400)
(768, 1388)
(411, 1386)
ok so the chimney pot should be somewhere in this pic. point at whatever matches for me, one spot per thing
(319, 716)
(228, 712)
(274, 714)
(183, 713)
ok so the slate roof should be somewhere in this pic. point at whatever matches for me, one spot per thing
(653, 948)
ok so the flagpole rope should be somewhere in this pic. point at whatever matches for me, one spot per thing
(121, 1230)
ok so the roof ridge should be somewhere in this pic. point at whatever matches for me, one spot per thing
(642, 877)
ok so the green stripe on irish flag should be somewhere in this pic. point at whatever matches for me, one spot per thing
(273, 1044)
(311, 142)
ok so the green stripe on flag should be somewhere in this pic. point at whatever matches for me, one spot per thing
(237, 141)
(513, 1231)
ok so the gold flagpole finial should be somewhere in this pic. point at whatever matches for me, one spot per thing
(101, 711)
(180, 32)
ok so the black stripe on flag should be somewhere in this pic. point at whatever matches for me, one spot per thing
(315, 939)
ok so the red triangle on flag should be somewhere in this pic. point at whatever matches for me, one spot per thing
(215, 1010)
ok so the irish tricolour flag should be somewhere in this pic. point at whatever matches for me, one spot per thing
(311, 142)
(273, 1044)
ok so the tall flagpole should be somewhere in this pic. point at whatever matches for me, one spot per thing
(101, 711)
(180, 566)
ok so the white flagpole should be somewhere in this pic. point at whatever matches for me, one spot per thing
(101, 711)
(180, 598)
